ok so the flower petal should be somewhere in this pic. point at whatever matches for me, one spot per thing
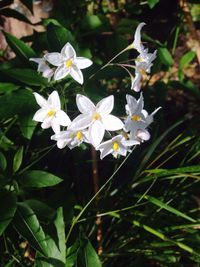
(40, 100)
(80, 122)
(136, 82)
(62, 118)
(106, 151)
(96, 133)
(84, 104)
(137, 38)
(54, 100)
(61, 72)
(112, 123)
(82, 62)
(54, 58)
(40, 115)
(105, 106)
(55, 125)
(76, 74)
(68, 51)
(46, 123)
(143, 135)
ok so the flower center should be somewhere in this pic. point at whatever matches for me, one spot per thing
(96, 116)
(142, 72)
(136, 118)
(68, 63)
(115, 146)
(79, 135)
(51, 112)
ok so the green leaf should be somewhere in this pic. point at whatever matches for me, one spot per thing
(27, 125)
(7, 208)
(165, 206)
(22, 50)
(57, 37)
(20, 102)
(87, 255)
(3, 162)
(41, 209)
(56, 245)
(38, 179)
(8, 12)
(17, 161)
(165, 56)
(186, 59)
(152, 3)
(92, 22)
(27, 225)
(26, 76)
(8, 87)
(72, 254)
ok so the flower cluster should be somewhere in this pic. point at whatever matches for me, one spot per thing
(66, 62)
(95, 121)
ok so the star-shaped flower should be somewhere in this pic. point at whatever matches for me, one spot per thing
(70, 138)
(50, 113)
(68, 63)
(97, 118)
(118, 145)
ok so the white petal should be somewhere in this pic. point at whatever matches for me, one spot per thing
(54, 59)
(68, 51)
(54, 100)
(136, 82)
(46, 123)
(105, 106)
(47, 73)
(96, 133)
(82, 62)
(61, 72)
(84, 104)
(76, 74)
(130, 142)
(131, 104)
(40, 115)
(55, 125)
(140, 104)
(80, 122)
(143, 134)
(112, 123)
(62, 118)
(137, 38)
(40, 100)
(106, 151)
(61, 144)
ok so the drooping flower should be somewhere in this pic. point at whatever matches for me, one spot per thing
(138, 118)
(50, 113)
(137, 44)
(118, 145)
(70, 138)
(68, 63)
(97, 118)
(43, 68)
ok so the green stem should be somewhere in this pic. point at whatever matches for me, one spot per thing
(93, 198)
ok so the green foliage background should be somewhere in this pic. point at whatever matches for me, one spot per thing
(150, 208)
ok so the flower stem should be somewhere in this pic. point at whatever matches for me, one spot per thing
(74, 222)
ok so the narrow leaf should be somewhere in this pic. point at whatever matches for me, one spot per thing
(38, 179)
(186, 59)
(17, 161)
(27, 225)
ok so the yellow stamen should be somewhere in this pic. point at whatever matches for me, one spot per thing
(115, 146)
(68, 63)
(142, 72)
(51, 113)
(96, 116)
(79, 135)
(136, 118)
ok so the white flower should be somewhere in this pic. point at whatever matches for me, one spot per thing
(46, 71)
(50, 113)
(118, 145)
(138, 118)
(68, 63)
(70, 138)
(97, 118)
